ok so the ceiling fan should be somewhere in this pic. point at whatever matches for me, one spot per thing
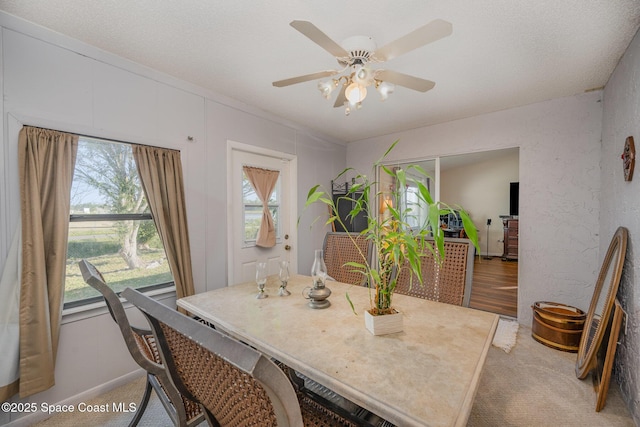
(355, 56)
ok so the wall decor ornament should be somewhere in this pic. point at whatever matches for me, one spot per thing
(628, 158)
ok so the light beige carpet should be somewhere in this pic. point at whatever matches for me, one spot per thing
(154, 416)
(533, 385)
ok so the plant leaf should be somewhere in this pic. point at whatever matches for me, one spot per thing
(420, 170)
(344, 171)
(330, 220)
(470, 229)
(350, 303)
(355, 264)
(424, 192)
(313, 190)
(313, 196)
(386, 152)
(387, 170)
(402, 178)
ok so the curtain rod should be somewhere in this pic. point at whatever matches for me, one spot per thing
(102, 138)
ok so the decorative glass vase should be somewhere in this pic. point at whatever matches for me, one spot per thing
(284, 279)
(261, 278)
(318, 270)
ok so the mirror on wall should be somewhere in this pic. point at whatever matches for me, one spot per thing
(602, 303)
(483, 183)
(408, 199)
(603, 321)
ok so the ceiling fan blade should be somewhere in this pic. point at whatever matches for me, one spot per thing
(341, 98)
(319, 38)
(434, 30)
(411, 82)
(305, 78)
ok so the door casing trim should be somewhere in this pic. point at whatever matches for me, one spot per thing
(293, 197)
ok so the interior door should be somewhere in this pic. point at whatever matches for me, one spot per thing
(245, 213)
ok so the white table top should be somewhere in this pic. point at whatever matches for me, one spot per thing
(426, 375)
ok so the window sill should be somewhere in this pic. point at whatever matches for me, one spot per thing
(82, 312)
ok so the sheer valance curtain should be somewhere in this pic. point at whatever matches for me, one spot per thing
(46, 165)
(263, 182)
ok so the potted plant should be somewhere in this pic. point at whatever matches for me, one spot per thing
(398, 234)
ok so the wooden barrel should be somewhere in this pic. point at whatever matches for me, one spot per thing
(557, 325)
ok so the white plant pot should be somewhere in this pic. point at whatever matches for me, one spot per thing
(384, 324)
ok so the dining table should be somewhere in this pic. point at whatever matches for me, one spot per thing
(425, 375)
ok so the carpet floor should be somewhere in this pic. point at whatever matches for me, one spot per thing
(530, 385)
(534, 385)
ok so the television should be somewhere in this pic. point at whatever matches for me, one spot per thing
(514, 195)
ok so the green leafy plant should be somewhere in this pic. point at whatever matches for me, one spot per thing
(399, 234)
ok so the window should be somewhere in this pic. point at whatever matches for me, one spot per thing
(412, 204)
(111, 225)
(252, 211)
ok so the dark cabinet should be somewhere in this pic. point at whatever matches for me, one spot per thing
(344, 203)
(344, 207)
(510, 238)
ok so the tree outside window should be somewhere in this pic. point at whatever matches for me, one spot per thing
(110, 223)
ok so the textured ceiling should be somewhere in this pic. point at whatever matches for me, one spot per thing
(502, 53)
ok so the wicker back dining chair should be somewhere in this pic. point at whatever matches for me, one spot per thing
(449, 282)
(142, 347)
(338, 249)
(236, 384)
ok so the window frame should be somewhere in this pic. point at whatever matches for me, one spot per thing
(277, 190)
(72, 306)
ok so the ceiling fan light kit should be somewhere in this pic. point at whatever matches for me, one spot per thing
(355, 55)
(355, 93)
(327, 87)
(385, 88)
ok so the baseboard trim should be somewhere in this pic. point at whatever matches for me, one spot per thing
(86, 395)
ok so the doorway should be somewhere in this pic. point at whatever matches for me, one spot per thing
(481, 183)
(495, 286)
(245, 211)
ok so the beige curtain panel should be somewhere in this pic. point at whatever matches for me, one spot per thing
(46, 164)
(263, 182)
(161, 175)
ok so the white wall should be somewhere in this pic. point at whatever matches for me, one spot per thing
(559, 167)
(56, 82)
(318, 162)
(620, 206)
(483, 189)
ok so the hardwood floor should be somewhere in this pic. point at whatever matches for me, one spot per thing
(495, 286)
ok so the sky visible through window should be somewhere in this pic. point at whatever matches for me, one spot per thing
(127, 251)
